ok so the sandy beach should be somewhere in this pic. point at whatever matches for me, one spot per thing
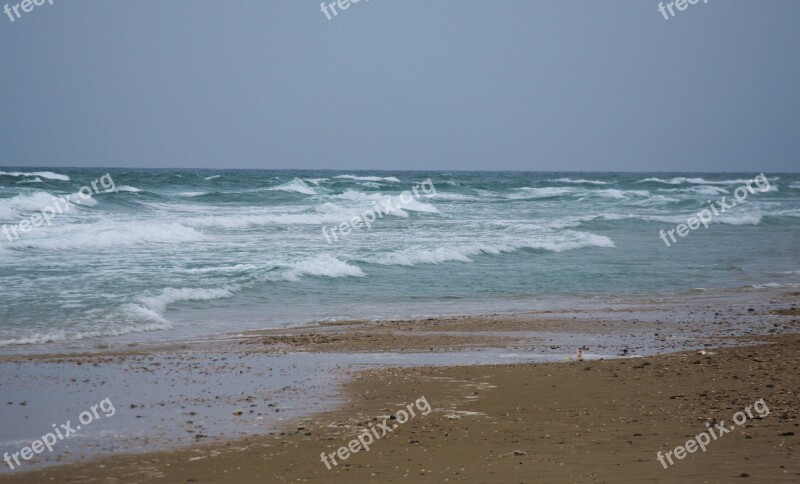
(552, 419)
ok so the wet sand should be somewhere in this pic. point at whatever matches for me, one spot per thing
(559, 421)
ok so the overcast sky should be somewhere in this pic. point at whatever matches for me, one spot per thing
(403, 84)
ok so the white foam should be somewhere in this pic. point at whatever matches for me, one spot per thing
(220, 269)
(173, 295)
(151, 322)
(455, 197)
(545, 192)
(697, 181)
(49, 175)
(463, 253)
(740, 218)
(549, 192)
(396, 202)
(580, 180)
(213, 177)
(322, 265)
(26, 202)
(297, 185)
(84, 236)
(126, 188)
(704, 190)
(329, 214)
(369, 178)
(620, 194)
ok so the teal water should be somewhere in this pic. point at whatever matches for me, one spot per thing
(188, 252)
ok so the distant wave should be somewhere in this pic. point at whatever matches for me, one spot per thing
(126, 188)
(620, 194)
(369, 178)
(297, 185)
(549, 192)
(396, 201)
(463, 253)
(581, 180)
(545, 192)
(213, 177)
(705, 190)
(726, 219)
(116, 235)
(49, 175)
(697, 181)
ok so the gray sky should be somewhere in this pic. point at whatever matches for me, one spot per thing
(403, 84)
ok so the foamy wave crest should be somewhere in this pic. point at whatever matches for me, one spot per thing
(297, 185)
(35, 180)
(620, 194)
(546, 192)
(369, 178)
(550, 192)
(463, 253)
(580, 180)
(77, 199)
(322, 265)
(794, 185)
(221, 269)
(328, 214)
(704, 190)
(126, 188)
(26, 202)
(696, 181)
(93, 238)
(172, 295)
(49, 175)
(773, 285)
(455, 197)
(741, 219)
(315, 181)
(213, 177)
(727, 219)
(396, 202)
(148, 322)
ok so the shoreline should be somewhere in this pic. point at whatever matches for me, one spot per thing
(592, 420)
(278, 378)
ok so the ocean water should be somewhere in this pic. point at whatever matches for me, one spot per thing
(188, 253)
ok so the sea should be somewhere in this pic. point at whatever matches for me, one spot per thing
(186, 253)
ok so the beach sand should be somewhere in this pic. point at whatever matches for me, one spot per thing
(571, 421)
